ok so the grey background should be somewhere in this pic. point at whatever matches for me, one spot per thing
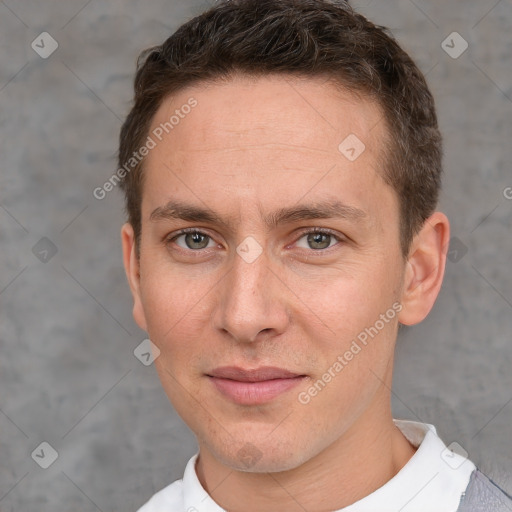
(68, 375)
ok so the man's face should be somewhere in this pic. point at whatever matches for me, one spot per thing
(254, 287)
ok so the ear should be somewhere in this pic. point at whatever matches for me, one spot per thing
(132, 269)
(424, 270)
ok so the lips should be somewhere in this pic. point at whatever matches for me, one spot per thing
(257, 375)
(253, 386)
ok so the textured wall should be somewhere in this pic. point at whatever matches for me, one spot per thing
(68, 375)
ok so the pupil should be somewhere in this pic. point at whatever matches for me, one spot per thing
(196, 238)
(316, 238)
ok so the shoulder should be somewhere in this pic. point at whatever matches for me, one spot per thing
(168, 498)
(483, 495)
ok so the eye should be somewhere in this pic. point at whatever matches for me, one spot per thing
(318, 239)
(192, 240)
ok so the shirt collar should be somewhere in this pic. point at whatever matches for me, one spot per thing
(433, 479)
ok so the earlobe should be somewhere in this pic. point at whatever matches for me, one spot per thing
(425, 269)
(132, 269)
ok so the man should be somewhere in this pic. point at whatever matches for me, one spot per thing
(282, 167)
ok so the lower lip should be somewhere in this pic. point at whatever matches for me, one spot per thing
(254, 393)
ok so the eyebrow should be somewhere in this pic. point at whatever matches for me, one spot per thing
(323, 210)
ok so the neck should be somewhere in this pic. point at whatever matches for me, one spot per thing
(363, 459)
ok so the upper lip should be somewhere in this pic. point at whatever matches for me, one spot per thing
(252, 375)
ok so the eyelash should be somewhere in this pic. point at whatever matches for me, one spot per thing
(324, 231)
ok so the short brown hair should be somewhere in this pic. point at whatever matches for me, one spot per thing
(306, 38)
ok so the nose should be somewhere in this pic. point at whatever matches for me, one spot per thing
(251, 301)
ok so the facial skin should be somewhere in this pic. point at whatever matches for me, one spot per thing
(248, 149)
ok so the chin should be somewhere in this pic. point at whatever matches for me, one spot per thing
(263, 457)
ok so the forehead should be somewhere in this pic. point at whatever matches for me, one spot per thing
(298, 135)
(305, 109)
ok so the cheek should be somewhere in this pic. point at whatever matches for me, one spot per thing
(346, 332)
(176, 324)
(345, 302)
(167, 295)
(354, 352)
(176, 310)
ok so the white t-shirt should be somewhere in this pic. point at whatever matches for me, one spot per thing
(433, 480)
